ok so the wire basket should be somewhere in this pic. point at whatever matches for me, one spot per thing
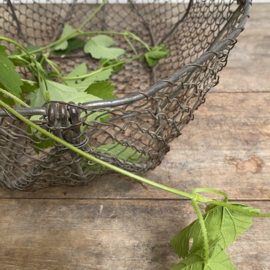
(153, 105)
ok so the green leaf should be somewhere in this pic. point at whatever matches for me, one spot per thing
(107, 62)
(98, 47)
(33, 130)
(121, 152)
(158, 48)
(66, 32)
(17, 59)
(36, 98)
(39, 138)
(157, 53)
(40, 59)
(97, 116)
(96, 91)
(16, 52)
(60, 92)
(7, 100)
(81, 97)
(78, 71)
(209, 207)
(30, 47)
(72, 45)
(28, 86)
(115, 149)
(103, 90)
(42, 144)
(100, 76)
(9, 77)
(57, 91)
(221, 223)
(218, 260)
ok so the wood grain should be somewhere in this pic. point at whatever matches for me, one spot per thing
(109, 234)
(248, 67)
(117, 223)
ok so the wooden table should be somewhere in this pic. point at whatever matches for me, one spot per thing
(119, 223)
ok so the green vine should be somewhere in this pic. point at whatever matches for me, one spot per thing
(193, 195)
(206, 242)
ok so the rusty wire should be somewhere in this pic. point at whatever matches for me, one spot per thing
(154, 105)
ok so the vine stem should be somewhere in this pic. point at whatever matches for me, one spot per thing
(14, 97)
(80, 33)
(101, 69)
(125, 34)
(93, 15)
(17, 44)
(92, 158)
(238, 209)
(210, 190)
(61, 40)
(196, 197)
(204, 231)
(130, 44)
(75, 33)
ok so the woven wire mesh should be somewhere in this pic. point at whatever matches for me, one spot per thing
(154, 105)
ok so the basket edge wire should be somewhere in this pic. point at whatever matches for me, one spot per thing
(159, 85)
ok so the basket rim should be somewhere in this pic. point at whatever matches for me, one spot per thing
(159, 85)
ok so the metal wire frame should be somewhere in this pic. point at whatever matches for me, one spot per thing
(145, 121)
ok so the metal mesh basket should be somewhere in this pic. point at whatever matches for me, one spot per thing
(154, 105)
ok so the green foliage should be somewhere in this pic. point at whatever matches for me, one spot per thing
(114, 149)
(16, 52)
(122, 152)
(28, 86)
(156, 53)
(98, 47)
(81, 97)
(100, 76)
(78, 71)
(218, 260)
(60, 92)
(83, 84)
(72, 45)
(31, 48)
(9, 77)
(103, 90)
(219, 227)
(66, 32)
(17, 60)
(228, 226)
(7, 100)
(223, 225)
(36, 98)
(39, 139)
(116, 63)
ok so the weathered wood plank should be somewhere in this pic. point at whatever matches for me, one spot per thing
(110, 234)
(229, 128)
(134, 234)
(249, 62)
